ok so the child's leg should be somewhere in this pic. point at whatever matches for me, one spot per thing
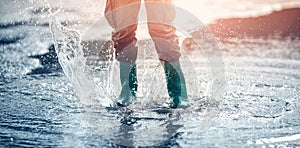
(122, 15)
(166, 43)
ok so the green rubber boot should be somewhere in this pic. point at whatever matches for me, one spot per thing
(176, 85)
(129, 83)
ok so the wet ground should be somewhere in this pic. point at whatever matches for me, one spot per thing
(38, 107)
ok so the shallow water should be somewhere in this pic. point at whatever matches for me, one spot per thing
(38, 105)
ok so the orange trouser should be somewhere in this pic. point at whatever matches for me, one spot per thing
(122, 15)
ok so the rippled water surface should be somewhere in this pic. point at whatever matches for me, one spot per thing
(38, 107)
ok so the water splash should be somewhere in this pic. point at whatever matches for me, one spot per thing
(70, 56)
(88, 61)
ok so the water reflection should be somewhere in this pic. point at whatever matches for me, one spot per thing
(127, 128)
